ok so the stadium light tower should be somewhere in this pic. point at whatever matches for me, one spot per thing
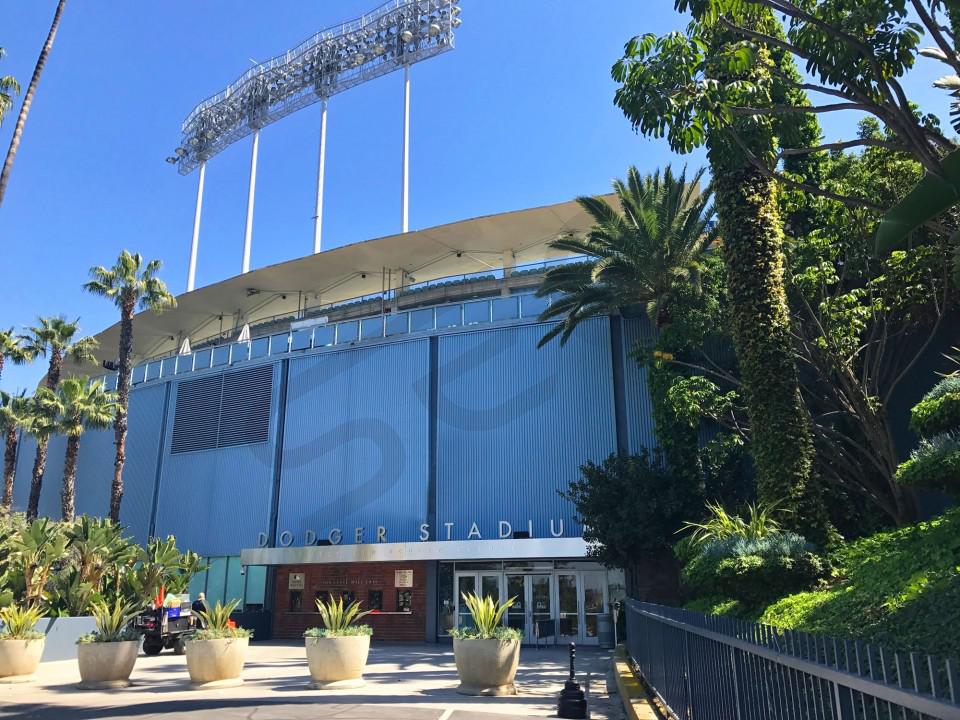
(393, 36)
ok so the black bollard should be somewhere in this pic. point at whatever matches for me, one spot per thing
(572, 702)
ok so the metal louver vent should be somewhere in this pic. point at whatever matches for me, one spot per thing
(223, 410)
(245, 407)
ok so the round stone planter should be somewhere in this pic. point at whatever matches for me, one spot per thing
(106, 664)
(337, 662)
(19, 659)
(487, 667)
(216, 663)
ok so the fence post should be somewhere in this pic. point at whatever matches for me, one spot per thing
(837, 709)
(736, 680)
(686, 673)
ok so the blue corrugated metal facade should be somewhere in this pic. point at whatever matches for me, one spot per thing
(516, 423)
(217, 501)
(355, 443)
(450, 427)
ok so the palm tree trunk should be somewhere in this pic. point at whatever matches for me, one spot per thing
(28, 100)
(68, 494)
(2, 359)
(9, 470)
(55, 368)
(123, 401)
(36, 482)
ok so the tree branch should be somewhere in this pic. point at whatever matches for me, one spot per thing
(865, 142)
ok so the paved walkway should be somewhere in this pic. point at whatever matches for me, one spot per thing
(403, 682)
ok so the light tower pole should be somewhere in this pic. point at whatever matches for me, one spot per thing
(318, 215)
(248, 230)
(405, 181)
(195, 241)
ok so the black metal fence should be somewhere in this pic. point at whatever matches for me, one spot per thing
(710, 667)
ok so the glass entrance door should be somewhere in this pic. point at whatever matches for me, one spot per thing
(533, 603)
(594, 604)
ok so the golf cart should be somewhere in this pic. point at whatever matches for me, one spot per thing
(169, 625)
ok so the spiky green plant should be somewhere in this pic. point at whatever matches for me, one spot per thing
(720, 524)
(113, 622)
(339, 619)
(19, 621)
(487, 615)
(216, 621)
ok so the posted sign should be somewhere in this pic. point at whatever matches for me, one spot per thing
(296, 581)
(403, 578)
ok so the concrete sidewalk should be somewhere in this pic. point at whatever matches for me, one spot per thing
(403, 682)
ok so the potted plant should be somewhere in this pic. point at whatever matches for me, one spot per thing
(488, 653)
(107, 655)
(337, 652)
(215, 654)
(20, 645)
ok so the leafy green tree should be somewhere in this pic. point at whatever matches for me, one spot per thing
(15, 416)
(84, 404)
(8, 88)
(669, 86)
(55, 338)
(28, 100)
(12, 349)
(36, 551)
(639, 255)
(129, 284)
(630, 508)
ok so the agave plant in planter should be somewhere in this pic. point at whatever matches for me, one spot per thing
(488, 653)
(216, 653)
(337, 652)
(20, 644)
(106, 656)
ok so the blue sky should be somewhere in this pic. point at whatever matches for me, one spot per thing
(520, 114)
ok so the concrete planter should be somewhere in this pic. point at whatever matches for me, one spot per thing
(486, 667)
(19, 659)
(216, 663)
(337, 662)
(106, 664)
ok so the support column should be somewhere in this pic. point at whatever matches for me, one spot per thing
(248, 230)
(195, 242)
(404, 189)
(509, 261)
(318, 215)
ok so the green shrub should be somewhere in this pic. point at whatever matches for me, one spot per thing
(754, 571)
(217, 623)
(899, 588)
(487, 615)
(349, 631)
(934, 464)
(938, 414)
(113, 623)
(18, 623)
(949, 385)
(716, 605)
(338, 621)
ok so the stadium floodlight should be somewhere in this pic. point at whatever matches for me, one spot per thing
(393, 36)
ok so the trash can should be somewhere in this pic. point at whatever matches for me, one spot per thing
(605, 630)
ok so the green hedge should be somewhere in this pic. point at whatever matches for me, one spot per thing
(753, 571)
(899, 588)
(934, 464)
(934, 415)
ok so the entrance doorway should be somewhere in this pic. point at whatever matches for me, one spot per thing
(572, 599)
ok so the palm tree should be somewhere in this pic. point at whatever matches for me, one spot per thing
(44, 408)
(53, 335)
(8, 88)
(12, 348)
(15, 415)
(638, 255)
(130, 284)
(28, 100)
(83, 405)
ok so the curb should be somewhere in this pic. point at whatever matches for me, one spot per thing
(634, 697)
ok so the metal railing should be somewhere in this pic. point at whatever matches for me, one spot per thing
(712, 667)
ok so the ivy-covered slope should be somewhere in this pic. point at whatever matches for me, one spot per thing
(899, 588)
